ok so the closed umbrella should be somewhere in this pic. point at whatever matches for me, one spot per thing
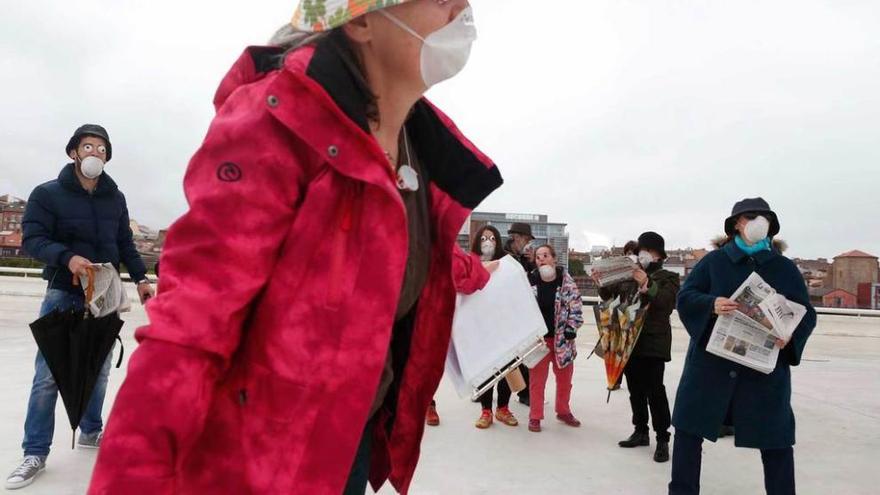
(75, 346)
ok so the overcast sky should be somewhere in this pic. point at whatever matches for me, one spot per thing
(613, 116)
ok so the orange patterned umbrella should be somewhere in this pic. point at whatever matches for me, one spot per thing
(620, 323)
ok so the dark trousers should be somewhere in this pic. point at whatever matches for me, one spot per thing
(687, 453)
(503, 395)
(644, 378)
(359, 477)
(524, 393)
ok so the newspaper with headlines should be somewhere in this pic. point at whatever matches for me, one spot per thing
(748, 336)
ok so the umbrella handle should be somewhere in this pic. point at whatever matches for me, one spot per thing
(90, 289)
(121, 351)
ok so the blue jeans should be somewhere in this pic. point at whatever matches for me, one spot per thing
(39, 427)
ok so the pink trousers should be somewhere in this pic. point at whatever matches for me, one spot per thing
(538, 381)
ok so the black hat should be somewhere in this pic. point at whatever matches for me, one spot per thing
(751, 205)
(653, 241)
(522, 229)
(89, 130)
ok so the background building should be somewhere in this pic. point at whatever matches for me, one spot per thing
(815, 272)
(875, 296)
(543, 230)
(10, 244)
(839, 298)
(852, 269)
(11, 213)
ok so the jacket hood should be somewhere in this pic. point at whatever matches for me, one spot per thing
(251, 66)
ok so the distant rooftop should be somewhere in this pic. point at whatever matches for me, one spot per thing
(855, 253)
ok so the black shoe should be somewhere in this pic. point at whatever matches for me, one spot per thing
(637, 439)
(726, 431)
(662, 452)
(525, 401)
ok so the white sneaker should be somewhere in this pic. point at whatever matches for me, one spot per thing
(26, 473)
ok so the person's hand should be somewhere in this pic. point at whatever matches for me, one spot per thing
(491, 266)
(725, 306)
(79, 266)
(640, 276)
(781, 343)
(145, 291)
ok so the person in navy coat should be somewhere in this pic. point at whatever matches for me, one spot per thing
(759, 404)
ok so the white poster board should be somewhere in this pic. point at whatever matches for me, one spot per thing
(492, 327)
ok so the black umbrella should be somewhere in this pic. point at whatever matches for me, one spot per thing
(75, 346)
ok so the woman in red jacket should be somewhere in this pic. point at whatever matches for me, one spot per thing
(306, 299)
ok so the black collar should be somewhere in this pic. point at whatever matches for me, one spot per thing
(68, 179)
(450, 164)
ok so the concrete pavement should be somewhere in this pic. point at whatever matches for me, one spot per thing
(836, 402)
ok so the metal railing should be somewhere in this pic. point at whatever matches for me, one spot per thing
(590, 300)
(23, 272)
(870, 313)
(38, 272)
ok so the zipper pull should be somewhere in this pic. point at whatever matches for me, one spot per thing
(346, 214)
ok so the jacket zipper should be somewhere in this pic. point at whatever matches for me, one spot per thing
(345, 222)
(95, 221)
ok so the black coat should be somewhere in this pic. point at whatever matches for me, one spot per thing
(527, 265)
(62, 220)
(655, 340)
(710, 385)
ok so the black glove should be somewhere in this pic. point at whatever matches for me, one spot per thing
(569, 335)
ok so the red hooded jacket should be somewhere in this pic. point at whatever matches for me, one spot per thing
(279, 286)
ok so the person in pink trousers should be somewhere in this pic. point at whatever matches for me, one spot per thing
(560, 303)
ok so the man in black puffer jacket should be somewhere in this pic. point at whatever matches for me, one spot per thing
(645, 369)
(71, 222)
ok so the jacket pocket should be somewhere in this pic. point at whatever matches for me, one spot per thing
(276, 417)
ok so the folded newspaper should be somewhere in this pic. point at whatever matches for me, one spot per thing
(748, 336)
(109, 294)
(613, 270)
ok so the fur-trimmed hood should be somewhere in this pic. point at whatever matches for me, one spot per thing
(779, 245)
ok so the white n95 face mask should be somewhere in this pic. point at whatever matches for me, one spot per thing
(92, 167)
(487, 248)
(445, 52)
(645, 259)
(756, 230)
(547, 272)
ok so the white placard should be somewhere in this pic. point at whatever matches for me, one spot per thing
(492, 327)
